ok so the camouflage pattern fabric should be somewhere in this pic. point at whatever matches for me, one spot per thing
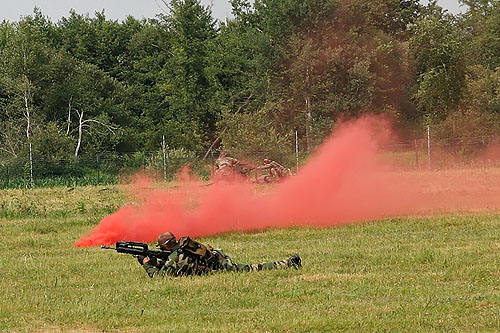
(181, 263)
(224, 262)
(275, 169)
(225, 161)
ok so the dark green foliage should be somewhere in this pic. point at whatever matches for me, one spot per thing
(436, 43)
(245, 134)
(185, 82)
(88, 85)
(483, 22)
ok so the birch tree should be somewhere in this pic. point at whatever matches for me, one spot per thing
(25, 55)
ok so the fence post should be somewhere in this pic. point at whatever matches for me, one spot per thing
(31, 167)
(429, 147)
(74, 170)
(297, 150)
(163, 148)
(416, 152)
(98, 166)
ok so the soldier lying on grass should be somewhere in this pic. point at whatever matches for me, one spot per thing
(189, 257)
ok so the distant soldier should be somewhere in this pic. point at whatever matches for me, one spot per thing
(224, 160)
(276, 170)
(230, 168)
(189, 257)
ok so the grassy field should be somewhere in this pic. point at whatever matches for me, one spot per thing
(405, 274)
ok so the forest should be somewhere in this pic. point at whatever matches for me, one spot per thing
(277, 72)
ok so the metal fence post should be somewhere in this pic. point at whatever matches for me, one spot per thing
(297, 150)
(416, 152)
(32, 183)
(429, 146)
(7, 180)
(164, 150)
(98, 170)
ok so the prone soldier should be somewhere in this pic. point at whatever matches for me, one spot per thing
(227, 168)
(276, 170)
(225, 161)
(189, 257)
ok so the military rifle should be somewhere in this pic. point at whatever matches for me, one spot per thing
(138, 249)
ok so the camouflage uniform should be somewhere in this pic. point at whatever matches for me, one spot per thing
(276, 170)
(225, 161)
(183, 262)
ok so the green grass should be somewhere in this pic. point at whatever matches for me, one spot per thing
(407, 274)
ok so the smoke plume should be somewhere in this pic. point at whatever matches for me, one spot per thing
(344, 181)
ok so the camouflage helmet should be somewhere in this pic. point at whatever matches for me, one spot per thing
(165, 238)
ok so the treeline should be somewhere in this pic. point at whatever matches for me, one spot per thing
(87, 85)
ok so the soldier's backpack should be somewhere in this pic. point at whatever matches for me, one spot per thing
(203, 252)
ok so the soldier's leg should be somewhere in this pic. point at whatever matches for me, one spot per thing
(227, 264)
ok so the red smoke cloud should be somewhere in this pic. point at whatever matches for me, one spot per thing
(342, 182)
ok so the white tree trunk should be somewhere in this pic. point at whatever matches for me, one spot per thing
(27, 115)
(80, 130)
(68, 121)
(82, 123)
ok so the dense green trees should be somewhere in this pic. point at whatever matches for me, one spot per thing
(185, 81)
(437, 45)
(88, 85)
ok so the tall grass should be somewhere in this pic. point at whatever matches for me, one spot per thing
(60, 202)
(405, 274)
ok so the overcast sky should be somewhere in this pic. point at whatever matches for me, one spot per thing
(119, 9)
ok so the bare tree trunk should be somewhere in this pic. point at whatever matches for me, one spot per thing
(68, 121)
(27, 115)
(80, 130)
(82, 123)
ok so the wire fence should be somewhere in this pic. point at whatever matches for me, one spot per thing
(112, 168)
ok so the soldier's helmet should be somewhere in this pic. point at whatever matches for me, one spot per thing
(266, 161)
(166, 240)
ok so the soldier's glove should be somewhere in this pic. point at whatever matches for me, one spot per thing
(140, 258)
(151, 261)
(295, 261)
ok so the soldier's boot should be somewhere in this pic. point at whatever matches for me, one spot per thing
(295, 261)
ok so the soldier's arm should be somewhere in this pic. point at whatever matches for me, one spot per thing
(233, 161)
(150, 265)
(171, 266)
(161, 268)
(263, 167)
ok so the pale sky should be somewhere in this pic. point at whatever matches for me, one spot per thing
(119, 9)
